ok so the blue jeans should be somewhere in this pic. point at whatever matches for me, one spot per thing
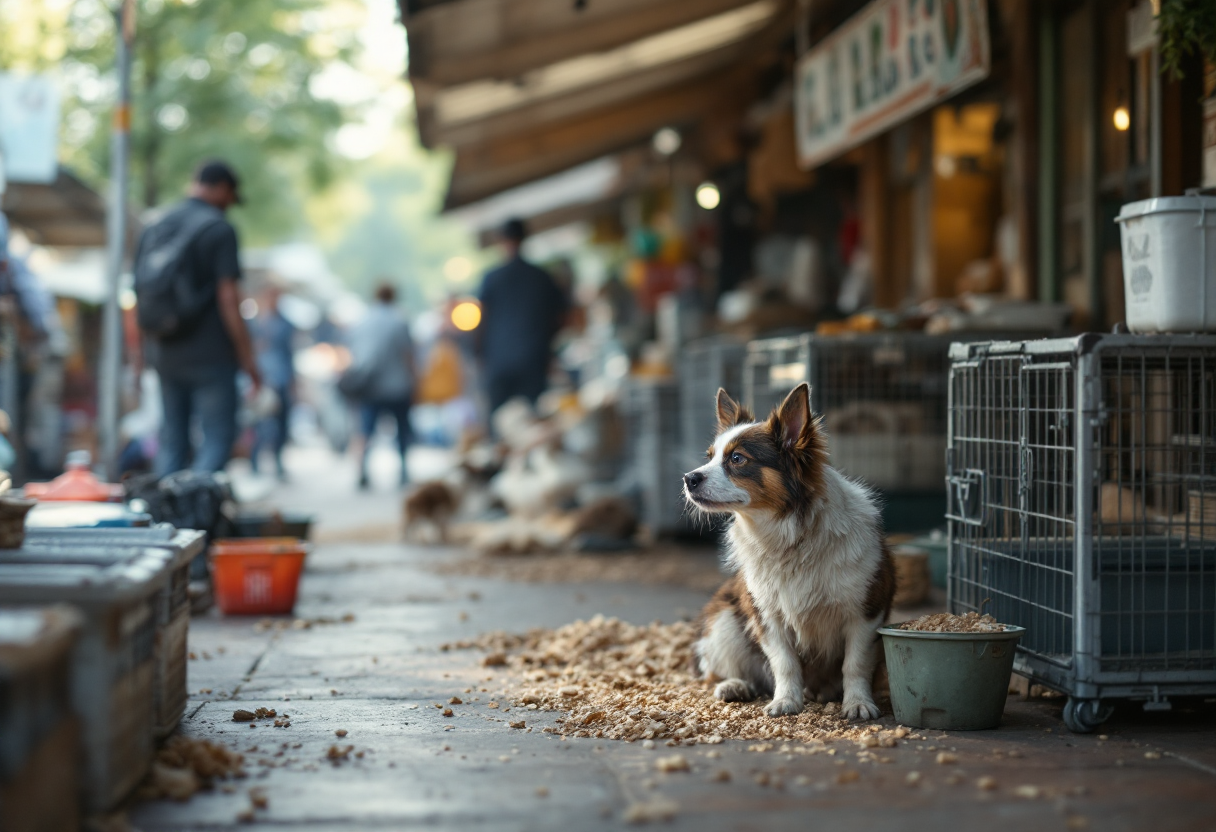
(211, 398)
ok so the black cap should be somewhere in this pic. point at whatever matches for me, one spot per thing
(514, 230)
(218, 172)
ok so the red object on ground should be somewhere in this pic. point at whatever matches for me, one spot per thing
(257, 575)
(76, 484)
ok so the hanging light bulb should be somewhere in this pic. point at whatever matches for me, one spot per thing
(708, 196)
(1122, 118)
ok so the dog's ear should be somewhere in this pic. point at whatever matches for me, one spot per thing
(793, 422)
(730, 412)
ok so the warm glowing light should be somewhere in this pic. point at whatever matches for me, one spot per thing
(458, 269)
(666, 141)
(1122, 119)
(466, 316)
(708, 196)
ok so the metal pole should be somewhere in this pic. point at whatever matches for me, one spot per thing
(110, 368)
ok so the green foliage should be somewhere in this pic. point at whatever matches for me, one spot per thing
(235, 79)
(209, 78)
(1186, 27)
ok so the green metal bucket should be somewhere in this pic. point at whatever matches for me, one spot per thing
(949, 681)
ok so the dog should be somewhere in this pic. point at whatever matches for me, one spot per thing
(431, 503)
(813, 578)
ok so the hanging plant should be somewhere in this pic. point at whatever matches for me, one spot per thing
(1186, 27)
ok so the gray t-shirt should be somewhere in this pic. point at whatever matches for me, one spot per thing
(381, 341)
(205, 347)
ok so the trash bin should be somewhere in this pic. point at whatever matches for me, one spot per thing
(1169, 263)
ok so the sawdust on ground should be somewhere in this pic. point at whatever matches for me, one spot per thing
(614, 680)
(688, 567)
(944, 622)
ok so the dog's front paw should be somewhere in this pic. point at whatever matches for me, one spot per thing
(859, 710)
(784, 706)
(734, 690)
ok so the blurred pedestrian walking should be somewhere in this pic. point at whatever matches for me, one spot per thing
(522, 308)
(273, 341)
(381, 375)
(186, 281)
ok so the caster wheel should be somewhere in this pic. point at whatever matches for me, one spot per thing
(1083, 716)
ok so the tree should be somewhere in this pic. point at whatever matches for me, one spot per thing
(210, 78)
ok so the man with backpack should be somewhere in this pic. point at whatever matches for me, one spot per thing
(186, 276)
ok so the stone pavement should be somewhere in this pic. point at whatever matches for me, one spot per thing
(379, 676)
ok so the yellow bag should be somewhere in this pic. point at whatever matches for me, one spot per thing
(444, 377)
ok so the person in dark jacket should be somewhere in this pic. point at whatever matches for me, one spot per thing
(522, 308)
(198, 366)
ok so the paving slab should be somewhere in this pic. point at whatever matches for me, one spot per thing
(379, 677)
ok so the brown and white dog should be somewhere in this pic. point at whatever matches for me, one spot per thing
(814, 579)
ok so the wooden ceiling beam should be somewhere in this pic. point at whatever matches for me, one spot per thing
(456, 42)
(563, 108)
(488, 168)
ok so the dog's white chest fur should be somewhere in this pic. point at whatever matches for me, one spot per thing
(811, 574)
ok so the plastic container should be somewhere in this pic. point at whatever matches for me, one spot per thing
(949, 681)
(173, 605)
(273, 524)
(39, 734)
(13, 514)
(113, 664)
(1169, 264)
(85, 515)
(76, 484)
(257, 576)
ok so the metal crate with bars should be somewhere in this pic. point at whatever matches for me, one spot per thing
(882, 397)
(655, 456)
(705, 366)
(1082, 506)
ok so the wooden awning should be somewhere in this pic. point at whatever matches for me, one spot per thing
(524, 89)
(65, 212)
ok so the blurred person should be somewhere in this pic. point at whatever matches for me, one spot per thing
(381, 375)
(273, 341)
(187, 272)
(522, 309)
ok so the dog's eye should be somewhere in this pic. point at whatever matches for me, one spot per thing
(737, 458)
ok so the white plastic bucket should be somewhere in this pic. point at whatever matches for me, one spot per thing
(1169, 264)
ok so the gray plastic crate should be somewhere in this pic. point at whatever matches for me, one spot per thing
(113, 664)
(173, 608)
(705, 366)
(656, 458)
(39, 734)
(1082, 506)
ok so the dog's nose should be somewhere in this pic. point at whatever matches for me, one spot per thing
(692, 480)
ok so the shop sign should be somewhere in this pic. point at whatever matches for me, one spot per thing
(890, 61)
(29, 127)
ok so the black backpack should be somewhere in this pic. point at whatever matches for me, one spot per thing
(169, 303)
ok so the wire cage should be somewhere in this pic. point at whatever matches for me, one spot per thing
(1082, 506)
(705, 366)
(651, 410)
(882, 397)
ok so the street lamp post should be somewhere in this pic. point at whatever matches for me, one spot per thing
(116, 239)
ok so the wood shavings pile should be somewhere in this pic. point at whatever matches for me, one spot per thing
(944, 622)
(691, 568)
(185, 765)
(615, 680)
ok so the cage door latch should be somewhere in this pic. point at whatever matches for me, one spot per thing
(968, 497)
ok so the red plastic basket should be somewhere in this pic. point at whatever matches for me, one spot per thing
(258, 575)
